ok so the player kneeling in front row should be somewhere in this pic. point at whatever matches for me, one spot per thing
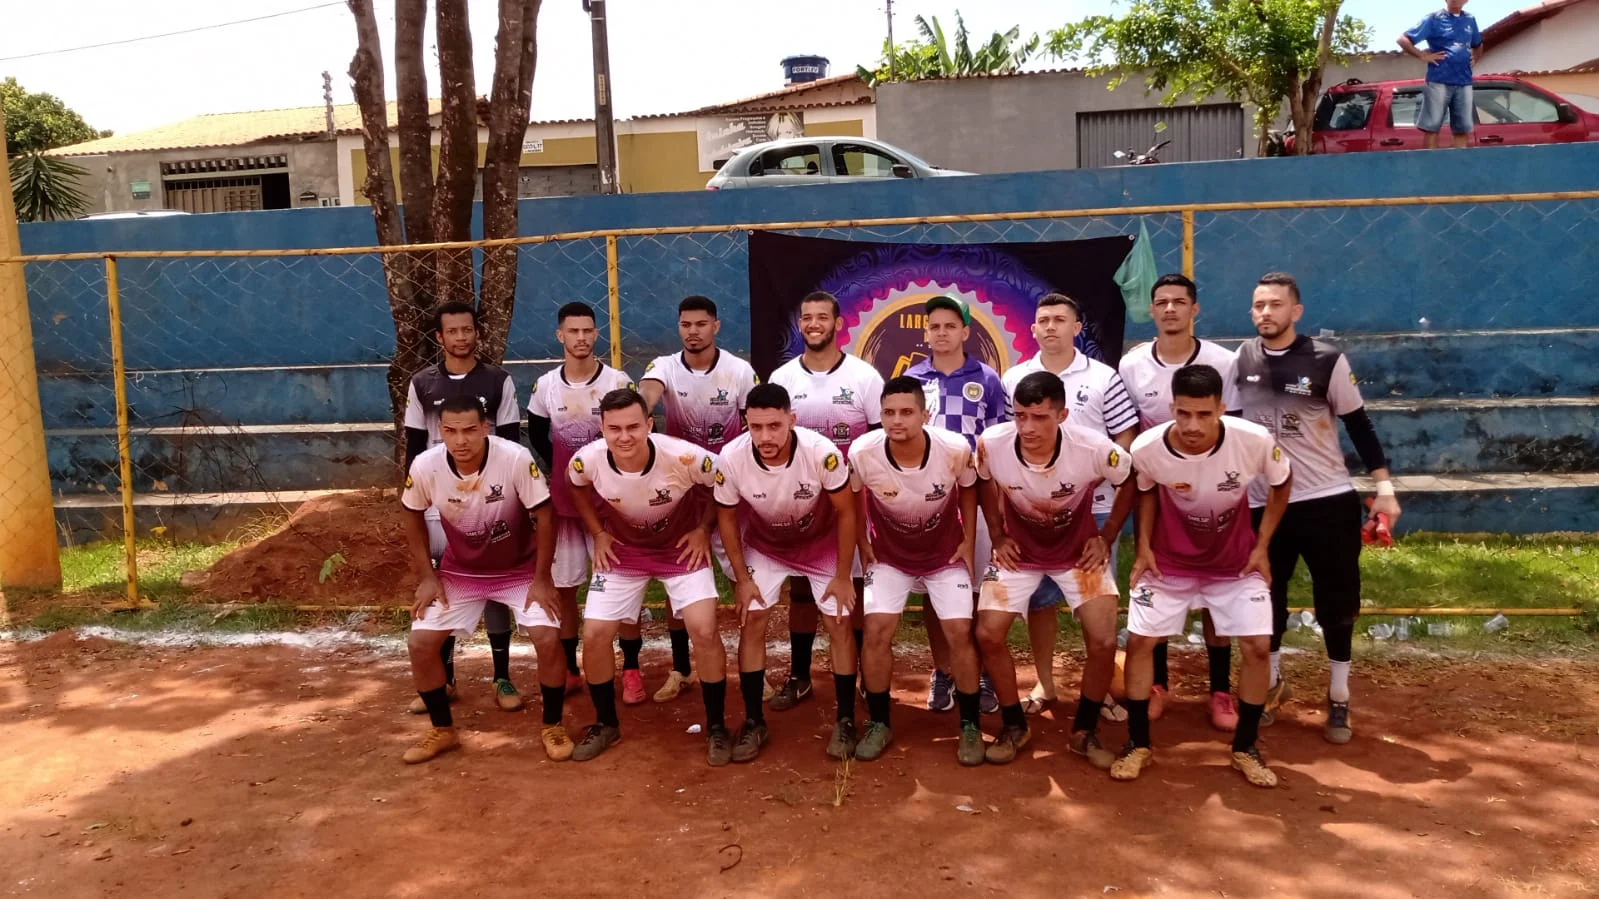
(1038, 477)
(489, 495)
(645, 499)
(915, 484)
(1196, 550)
(789, 489)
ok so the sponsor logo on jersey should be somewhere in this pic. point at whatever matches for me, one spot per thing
(720, 479)
(1352, 380)
(496, 493)
(804, 492)
(938, 492)
(1151, 393)
(1063, 491)
(846, 397)
(1230, 484)
(831, 462)
(1276, 453)
(649, 368)
(499, 530)
(720, 399)
(887, 494)
(972, 391)
(1082, 395)
(533, 469)
(706, 465)
(805, 521)
(1182, 487)
(1300, 387)
(662, 497)
(1291, 425)
(577, 465)
(1260, 597)
(1253, 379)
(1115, 458)
(713, 434)
(840, 433)
(409, 483)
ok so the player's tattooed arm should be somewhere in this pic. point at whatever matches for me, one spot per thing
(428, 588)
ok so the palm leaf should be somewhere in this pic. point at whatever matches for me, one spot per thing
(45, 188)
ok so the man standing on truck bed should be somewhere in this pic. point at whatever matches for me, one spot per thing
(1453, 43)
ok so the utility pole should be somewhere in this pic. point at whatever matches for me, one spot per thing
(604, 124)
(888, 6)
(327, 102)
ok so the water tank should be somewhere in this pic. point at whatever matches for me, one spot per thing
(802, 69)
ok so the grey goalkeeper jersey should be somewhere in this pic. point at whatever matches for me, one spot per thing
(1298, 394)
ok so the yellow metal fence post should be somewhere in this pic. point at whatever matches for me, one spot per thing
(119, 373)
(613, 287)
(1188, 244)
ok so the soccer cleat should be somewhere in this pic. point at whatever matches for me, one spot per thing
(987, 701)
(794, 692)
(1338, 729)
(751, 737)
(1254, 768)
(768, 692)
(1158, 696)
(1003, 750)
(940, 691)
(842, 744)
(418, 707)
(1132, 762)
(1223, 711)
(718, 746)
(676, 682)
(969, 751)
(632, 686)
(1276, 695)
(1086, 744)
(1111, 711)
(575, 684)
(557, 745)
(434, 743)
(875, 742)
(596, 739)
(506, 696)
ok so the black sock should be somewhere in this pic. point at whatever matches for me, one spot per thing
(604, 696)
(753, 685)
(630, 650)
(970, 706)
(554, 698)
(844, 686)
(1137, 721)
(569, 646)
(447, 653)
(500, 650)
(1013, 716)
(1221, 668)
(1248, 726)
(1160, 665)
(715, 693)
(799, 666)
(877, 706)
(682, 661)
(438, 703)
(1087, 717)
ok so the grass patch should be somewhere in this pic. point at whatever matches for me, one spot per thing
(102, 567)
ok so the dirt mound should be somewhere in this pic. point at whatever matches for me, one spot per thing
(66, 642)
(358, 537)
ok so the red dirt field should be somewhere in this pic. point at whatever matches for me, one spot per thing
(274, 771)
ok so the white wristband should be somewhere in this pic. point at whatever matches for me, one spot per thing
(1385, 488)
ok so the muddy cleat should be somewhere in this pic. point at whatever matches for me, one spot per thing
(1086, 744)
(875, 742)
(557, 745)
(506, 697)
(418, 707)
(676, 682)
(718, 746)
(596, 739)
(751, 737)
(1003, 750)
(1132, 762)
(1338, 729)
(575, 684)
(1254, 768)
(1158, 697)
(1276, 695)
(434, 743)
(842, 744)
(969, 751)
(940, 691)
(1223, 712)
(794, 692)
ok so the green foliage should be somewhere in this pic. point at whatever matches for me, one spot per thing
(45, 188)
(330, 567)
(932, 55)
(37, 122)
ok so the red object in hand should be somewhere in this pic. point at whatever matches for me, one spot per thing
(1376, 531)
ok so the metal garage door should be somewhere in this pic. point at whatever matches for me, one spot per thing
(1213, 131)
(558, 181)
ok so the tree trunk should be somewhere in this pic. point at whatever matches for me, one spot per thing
(1307, 92)
(515, 58)
(416, 138)
(452, 199)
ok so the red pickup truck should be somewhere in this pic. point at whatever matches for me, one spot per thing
(1356, 116)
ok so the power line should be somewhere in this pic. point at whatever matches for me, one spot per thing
(151, 37)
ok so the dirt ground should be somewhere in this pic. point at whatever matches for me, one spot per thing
(274, 771)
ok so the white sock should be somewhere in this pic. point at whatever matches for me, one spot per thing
(1277, 667)
(1338, 684)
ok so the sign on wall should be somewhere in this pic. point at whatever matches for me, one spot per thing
(722, 136)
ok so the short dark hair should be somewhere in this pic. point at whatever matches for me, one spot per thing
(463, 402)
(454, 307)
(821, 296)
(1182, 281)
(574, 310)
(1280, 279)
(768, 396)
(905, 384)
(1196, 382)
(621, 398)
(697, 303)
(1040, 387)
(1060, 299)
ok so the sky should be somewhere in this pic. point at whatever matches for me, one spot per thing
(666, 55)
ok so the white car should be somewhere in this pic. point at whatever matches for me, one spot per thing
(820, 160)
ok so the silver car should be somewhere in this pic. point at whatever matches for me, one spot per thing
(820, 160)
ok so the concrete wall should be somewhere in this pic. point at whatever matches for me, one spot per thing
(312, 166)
(1568, 38)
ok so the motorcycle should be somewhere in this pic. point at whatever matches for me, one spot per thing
(1147, 157)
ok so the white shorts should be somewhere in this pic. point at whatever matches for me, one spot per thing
(573, 548)
(1238, 606)
(948, 589)
(769, 574)
(468, 596)
(615, 596)
(1009, 591)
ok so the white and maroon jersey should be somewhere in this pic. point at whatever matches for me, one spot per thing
(841, 404)
(1202, 524)
(1049, 509)
(703, 407)
(1148, 379)
(431, 386)
(785, 511)
(648, 511)
(574, 414)
(914, 513)
(1096, 400)
(487, 531)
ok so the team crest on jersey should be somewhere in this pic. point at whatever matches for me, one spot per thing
(1276, 454)
(937, 493)
(846, 397)
(533, 469)
(1064, 491)
(1115, 458)
(720, 399)
(597, 585)
(720, 479)
(715, 431)
(409, 483)
(663, 496)
(499, 530)
(496, 493)
(1230, 484)
(1291, 426)
(1082, 395)
(840, 432)
(991, 573)
(973, 391)
(831, 462)
(1145, 597)
(577, 465)
(804, 492)
(1300, 387)
(706, 465)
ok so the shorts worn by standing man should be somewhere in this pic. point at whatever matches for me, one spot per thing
(1453, 44)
